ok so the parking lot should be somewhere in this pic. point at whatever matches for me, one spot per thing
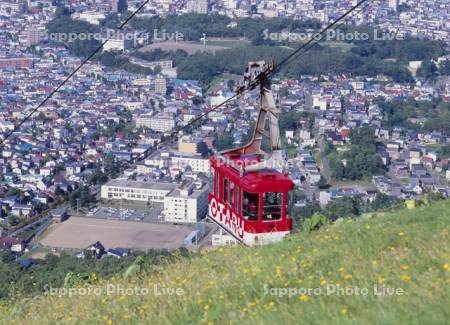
(145, 214)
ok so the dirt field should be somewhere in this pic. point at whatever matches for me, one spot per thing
(189, 47)
(81, 232)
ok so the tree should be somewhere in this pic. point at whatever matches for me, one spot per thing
(383, 201)
(111, 21)
(14, 191)
(203, 149)
(343, 208)
(323, 184)
(62, 12)
(364, 137)
(197, 100)
(302, 213)
(13, 220)
(157, 70)
(6, 256)
(231, 84)
(224, 141)
(108, 58)
(362, 163)
(81, 196)
(284, 92)
(337, 169)
(444, 68)
(111, 166)
(427, 70)
(314, 222)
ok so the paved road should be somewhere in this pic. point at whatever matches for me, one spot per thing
(31, 225)
(325, 163)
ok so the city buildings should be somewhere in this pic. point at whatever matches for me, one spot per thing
(197, 6)
(186, 204)
(119, 6)
(187, 144)
(107, 115)
(192, 160)
(161, 122)
(136, 190)
(16, 62)
(92, 17)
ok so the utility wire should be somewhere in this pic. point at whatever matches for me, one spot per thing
(305, 47)
(297, 53)
(318, 36)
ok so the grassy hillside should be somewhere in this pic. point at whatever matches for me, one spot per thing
(408, 250)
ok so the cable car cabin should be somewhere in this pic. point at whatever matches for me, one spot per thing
(249, 197)
(251, 205)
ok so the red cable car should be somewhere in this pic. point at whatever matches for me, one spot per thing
(250, 193)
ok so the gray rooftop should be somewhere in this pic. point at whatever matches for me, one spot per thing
(144, 185)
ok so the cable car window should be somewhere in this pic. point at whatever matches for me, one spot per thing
(231, 194)
(236, 203)
(225, 190)
(216, 183)
(272, 203)
(250, 206)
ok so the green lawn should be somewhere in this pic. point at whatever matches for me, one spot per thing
(41, 250)
(233, 43)
(343, 46)
(408, 250)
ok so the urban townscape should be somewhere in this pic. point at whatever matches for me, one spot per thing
(122, 121)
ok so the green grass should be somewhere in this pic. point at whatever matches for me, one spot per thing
(33, 252)
(343, 46)
(317, 157)
(233, 43)
(366, 184)
(215, 83)
(408, 250)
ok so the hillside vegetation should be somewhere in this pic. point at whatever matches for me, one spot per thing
(407, 250)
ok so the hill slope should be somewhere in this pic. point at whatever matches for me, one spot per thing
(408, 250)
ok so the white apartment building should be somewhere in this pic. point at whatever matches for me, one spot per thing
(92, 17)
(195, 161)
(117, 44)
(230, 4)
(187, 204)
(160, 86)
(134, 105)
(136, 191)
(198, 6)
(163, 64)
(9, 7)
(160, 123)
(142, 82)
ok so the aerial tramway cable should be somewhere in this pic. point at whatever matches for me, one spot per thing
(305, 47)
(258, 80)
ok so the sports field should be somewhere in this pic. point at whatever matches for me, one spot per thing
(81, 232)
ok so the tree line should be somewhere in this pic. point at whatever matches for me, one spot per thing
(19, 281)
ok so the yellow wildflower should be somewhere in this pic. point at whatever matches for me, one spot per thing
(303, 298)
